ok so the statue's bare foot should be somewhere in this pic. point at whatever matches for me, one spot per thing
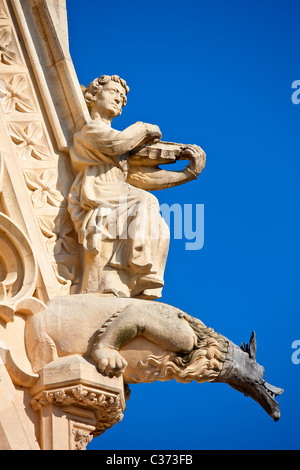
(109, 361)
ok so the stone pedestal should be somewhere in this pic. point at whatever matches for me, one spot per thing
(75, 403)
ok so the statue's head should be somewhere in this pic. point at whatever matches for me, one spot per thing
(106, 95)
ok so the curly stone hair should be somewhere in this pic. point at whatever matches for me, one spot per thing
(202, 364)
(95, 87)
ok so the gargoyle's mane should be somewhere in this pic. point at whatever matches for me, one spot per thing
(203, 364)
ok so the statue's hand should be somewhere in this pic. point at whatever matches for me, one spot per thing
(196, 156)
(154, 133)
(109, 361)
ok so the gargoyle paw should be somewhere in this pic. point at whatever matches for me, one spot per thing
(109, 361)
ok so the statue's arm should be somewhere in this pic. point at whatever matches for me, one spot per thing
(152, 178)
(114, 143)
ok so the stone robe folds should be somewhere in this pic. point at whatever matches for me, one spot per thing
(125, 238)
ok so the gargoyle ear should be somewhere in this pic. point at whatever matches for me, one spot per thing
(252, 346)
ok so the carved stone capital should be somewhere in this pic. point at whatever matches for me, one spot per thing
(107, 407)
(83, 396)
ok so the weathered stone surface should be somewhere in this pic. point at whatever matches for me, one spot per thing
(118, 221)
(83, 249)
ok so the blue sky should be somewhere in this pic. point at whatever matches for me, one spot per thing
(217, 74)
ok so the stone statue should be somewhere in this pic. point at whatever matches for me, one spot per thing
(83, 255)
(125, 239)
(145, 341)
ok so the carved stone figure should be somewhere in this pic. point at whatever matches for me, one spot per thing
(75, 331)
(125, 239)
(145, 341)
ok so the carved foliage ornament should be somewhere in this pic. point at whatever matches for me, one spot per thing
(28, 141)
(12, 95)
(108, 409)
(3, 15)
(80, 438)
(7, 55)
(43, 187)
(60, 239)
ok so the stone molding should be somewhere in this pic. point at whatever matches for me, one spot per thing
(107, 407)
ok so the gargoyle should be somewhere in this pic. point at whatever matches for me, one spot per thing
(145, 341)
